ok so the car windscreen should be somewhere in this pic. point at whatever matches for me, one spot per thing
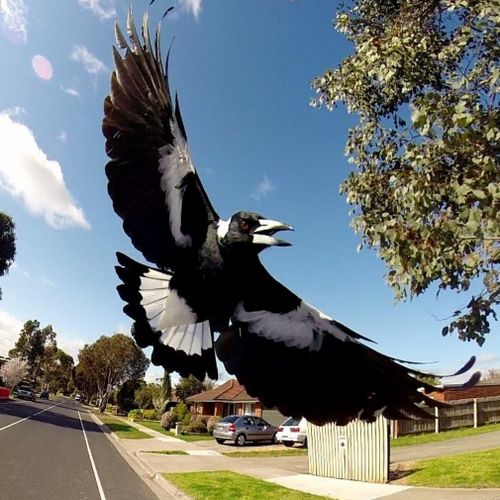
(230, 419)
(24, 388)
(289, 422)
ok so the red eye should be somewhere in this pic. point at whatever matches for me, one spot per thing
(244, 226)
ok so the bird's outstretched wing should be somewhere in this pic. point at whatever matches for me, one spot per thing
(291, 356)
(152, 181)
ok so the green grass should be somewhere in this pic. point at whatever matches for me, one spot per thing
(468, 470)
(266, 453)
(150, 424)
(443, 436)
(123, 430)
(226, 485)
(167, 452)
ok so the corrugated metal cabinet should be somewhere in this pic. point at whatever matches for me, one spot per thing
(357, 451)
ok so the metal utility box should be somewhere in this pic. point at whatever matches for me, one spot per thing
(357, 451)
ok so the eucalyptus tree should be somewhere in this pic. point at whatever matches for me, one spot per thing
(423, 79)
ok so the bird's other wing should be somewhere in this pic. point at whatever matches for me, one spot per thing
(151, 178)
(292, 357)
(185, 347)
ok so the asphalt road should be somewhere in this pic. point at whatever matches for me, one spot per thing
(53, 450)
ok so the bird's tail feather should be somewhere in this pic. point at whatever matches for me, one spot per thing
(187, 349)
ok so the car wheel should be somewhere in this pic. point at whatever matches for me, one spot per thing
(288, 444)
(304, 444)
(240, 440)
(220, 441)
(273, 439)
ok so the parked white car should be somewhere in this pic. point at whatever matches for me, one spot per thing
(291, 431)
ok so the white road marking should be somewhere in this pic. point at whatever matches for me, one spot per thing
(27, 418)
(96, 475)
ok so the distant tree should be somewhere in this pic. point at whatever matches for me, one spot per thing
(166, 386)
(7, 244)
(32, 344)
(57, 370)
(492, 376)
(423, 78)
(429, 379)
(84, 381)
(150, 396)
(13, 371)
(125, 396)
(188, 387)
(110, 361)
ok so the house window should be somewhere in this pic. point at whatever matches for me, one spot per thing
(247, 409)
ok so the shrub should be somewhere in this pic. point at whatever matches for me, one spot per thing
(200, 418)
(195, 428)
(211, 423)
(134, 415)
(168, 419)
(182, 413)
(149, 414)
(111, 409)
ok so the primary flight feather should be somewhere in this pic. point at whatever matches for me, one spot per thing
(206, 276)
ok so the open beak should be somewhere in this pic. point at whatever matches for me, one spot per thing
(263, 234)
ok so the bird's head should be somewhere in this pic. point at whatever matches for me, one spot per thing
(248, 229)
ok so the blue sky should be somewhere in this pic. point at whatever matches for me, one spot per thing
(243, 71)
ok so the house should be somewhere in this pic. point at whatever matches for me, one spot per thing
(231, 398)
(454, 392)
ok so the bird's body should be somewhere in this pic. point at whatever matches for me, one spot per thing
(206, 275)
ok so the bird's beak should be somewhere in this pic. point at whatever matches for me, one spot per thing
(263, 233)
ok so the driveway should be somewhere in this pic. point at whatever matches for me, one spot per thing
(412, 453)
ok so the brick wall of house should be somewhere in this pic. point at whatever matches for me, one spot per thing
(219, 409)
(478, 391)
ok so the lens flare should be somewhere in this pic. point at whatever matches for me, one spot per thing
(42, 67)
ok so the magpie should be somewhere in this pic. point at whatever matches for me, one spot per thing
(204, 292)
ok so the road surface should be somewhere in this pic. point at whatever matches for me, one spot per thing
(53, 450)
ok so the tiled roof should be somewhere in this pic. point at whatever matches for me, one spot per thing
(229, 391)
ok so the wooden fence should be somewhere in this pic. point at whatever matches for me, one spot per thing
(460, 413)
(356, 451)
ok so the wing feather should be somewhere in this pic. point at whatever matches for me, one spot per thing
(293, 357)
(151, 178)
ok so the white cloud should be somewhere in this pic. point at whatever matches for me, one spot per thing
(103, 12)
(15, 267)
(63, 137)
(154, 374)
(71, 91)
(13, 13)
(70, 346)
(488, 359)
(264, 187)
(91, 64)
(10, 328)
(14, 111)
(27, 173)
(193, 6)
(47, 282)
(9, 331)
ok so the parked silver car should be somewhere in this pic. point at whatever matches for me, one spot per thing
(243, 428)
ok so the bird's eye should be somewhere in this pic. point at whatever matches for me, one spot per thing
(244, 226)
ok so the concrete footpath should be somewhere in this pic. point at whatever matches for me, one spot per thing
(290, 472)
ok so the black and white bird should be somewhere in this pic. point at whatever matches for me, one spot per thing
(206, 277)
